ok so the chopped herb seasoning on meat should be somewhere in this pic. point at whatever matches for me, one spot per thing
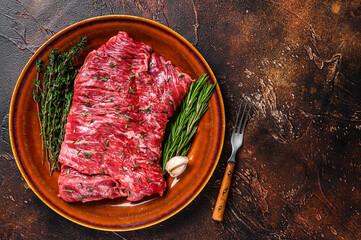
(131, 90)
(123, 153)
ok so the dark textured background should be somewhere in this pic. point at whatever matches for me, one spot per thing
(299, 173)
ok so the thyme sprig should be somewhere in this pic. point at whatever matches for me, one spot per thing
(194, 105)
(53, 94)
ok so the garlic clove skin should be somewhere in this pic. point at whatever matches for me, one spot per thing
(176, 165)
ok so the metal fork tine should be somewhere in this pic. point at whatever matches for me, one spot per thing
(240, 124)
(246, 119)
(239, 111)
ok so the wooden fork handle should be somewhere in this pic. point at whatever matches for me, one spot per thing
(223, 193)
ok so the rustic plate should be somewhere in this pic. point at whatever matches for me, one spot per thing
(118, 214)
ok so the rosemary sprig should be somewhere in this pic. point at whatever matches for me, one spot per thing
(194, 105)
(53, 94)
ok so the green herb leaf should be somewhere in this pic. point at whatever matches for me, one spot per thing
(131, 90)
(193, 106)
(135, 165)
(151, 162)
(68, 190)
(53, 95)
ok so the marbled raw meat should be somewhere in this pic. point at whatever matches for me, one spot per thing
(123, 96)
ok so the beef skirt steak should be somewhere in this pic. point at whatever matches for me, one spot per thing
(123, 96)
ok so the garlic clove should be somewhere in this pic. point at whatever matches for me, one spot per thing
(176, 165)
(177, 171)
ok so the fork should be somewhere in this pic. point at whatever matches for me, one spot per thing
(236, 141)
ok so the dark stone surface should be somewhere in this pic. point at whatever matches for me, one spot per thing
(299, 172)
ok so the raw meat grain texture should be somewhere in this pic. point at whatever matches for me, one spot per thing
(124, 94)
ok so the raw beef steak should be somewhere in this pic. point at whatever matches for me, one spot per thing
(123, 96)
